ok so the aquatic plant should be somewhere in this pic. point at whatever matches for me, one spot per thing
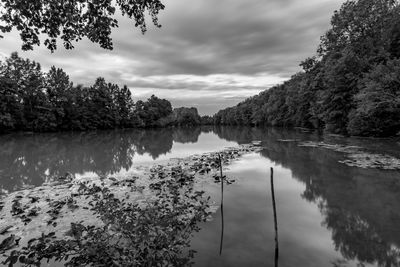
(144, 220)
(156, 233)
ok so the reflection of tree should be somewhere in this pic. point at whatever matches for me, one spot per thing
(238, 134)
(361, 207)
(31, 159)
(207, 128)
(187, 134)
(248, 134)
(355, 238)
(154, 141)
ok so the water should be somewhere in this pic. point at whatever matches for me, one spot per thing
(34, 159)
(329, 214)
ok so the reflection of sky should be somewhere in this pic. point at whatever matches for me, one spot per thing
(207, 142)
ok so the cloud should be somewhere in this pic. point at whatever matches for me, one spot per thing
(205, 51)
(214, 82)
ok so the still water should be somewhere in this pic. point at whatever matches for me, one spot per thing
(328, 213)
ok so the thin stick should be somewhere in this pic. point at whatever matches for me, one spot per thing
(275, 218)
(222, 178)
(222, 205)
(222, 229)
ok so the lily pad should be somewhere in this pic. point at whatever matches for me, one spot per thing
(359, 157)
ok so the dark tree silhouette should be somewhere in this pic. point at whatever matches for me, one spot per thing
(72, 20)
(31, 100)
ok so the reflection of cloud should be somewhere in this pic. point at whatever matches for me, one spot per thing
(223, 45)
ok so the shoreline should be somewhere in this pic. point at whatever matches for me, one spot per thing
(294, 128)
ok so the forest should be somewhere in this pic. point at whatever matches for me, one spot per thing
(351, 86)
(32, 100)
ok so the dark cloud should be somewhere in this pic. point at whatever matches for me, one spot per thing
(215, 47)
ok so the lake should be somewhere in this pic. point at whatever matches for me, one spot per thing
(330, 210)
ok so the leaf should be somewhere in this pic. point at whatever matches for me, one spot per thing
(51, 234)
(22, 259)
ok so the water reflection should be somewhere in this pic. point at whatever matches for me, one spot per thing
(361, 207)
(33, 159)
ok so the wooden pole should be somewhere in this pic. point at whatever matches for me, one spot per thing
(222, 229)
(222, 205)
(222, 178)
(275, 218)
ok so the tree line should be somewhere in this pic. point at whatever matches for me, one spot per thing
(33, 100)
(351, 86)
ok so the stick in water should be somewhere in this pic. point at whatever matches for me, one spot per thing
(275, 218)
(222, 205)
(222, 178)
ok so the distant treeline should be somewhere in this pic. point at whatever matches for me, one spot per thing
(31, 100)
(351, 86)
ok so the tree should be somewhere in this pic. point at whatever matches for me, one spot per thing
(72, 20)
(101, 106)
(10, 109)
(152, 110)
(30, 93)
(350, 87)
(358, 40)
(58, 89)
(206, 120)
(31, 100)
(79, 117)
(378, 109)
(125, 107)
(186, 116)
(341, 76)
(360, 25)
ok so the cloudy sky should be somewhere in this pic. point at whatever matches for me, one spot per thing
(209, 54)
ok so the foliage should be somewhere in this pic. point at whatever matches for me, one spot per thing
(9, 107)
(151, 111)
(206, 120)
(344, 88)
(186, 116)
(154, 234)
(72, 20)
(35, 101)
(378, 109)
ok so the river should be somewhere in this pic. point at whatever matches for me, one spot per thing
(333, 209)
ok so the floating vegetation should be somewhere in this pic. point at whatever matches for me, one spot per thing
(129, 234)
(256, 143)
(142, 220)
(368, 160)
(4, 229)
(288, 140)
(9, 243)
(358, 157)
(336, 147)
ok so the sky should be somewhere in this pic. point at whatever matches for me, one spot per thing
(208, 54)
